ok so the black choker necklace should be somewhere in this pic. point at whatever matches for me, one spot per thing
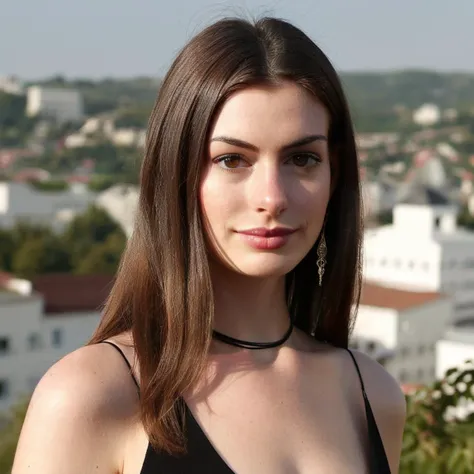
(252, 345)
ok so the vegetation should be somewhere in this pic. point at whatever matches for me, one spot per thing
(15, 126)
(51, 185)
(439, 433)
(10, 427)
(91, 243)
(465, 219)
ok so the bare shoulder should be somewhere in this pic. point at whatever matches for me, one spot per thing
(383, 390)
(79, 415)
(387, 402)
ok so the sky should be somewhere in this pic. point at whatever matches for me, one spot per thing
(125, 38)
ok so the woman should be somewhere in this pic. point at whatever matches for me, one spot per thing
(234, 298)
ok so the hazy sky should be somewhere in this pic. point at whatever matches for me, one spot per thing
(98, 38)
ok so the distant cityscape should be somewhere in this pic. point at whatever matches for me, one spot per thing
(64, 149)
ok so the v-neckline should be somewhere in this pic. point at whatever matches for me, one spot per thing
(191, 420)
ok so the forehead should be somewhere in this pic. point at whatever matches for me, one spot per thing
(273, 114)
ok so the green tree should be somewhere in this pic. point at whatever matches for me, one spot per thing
(103, 258)
(438, 439)
(40, 255)
(86, 230)
(101, 183)
(7, 248)
(10, 427)
(52, 185)
(465, 219)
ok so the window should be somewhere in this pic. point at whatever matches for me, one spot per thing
(3, 388)
(405, 352)
(4, 345)
(57, 337)
(34, 341)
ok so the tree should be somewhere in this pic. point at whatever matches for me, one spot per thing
(103, 258)
(10, 427)
(86, 230)
(465, 219)
(41, 255)
(439, 432)
(101, 183)
(52, 185)
(7, 248)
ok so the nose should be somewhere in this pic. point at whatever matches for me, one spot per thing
(268, 193)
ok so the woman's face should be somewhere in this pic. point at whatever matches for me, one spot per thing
(266, 183)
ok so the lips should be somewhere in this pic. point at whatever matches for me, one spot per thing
(262, 238)
(264, 232)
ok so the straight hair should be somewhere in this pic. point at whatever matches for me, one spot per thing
(162, 293)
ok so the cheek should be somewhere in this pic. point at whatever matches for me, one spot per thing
(214, 199)
(312, 196)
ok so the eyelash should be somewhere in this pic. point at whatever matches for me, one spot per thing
(223, 158)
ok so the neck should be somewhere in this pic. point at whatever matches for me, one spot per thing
(250, 309)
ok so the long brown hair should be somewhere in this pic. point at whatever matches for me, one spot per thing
(163, 293)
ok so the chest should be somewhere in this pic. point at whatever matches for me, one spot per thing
(278, 424)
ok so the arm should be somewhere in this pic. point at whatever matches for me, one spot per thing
(388, 404)
(78, 417)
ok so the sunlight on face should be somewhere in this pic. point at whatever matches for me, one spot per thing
(266, 183)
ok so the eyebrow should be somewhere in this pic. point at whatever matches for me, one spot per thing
(243, 144)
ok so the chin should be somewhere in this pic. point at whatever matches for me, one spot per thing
(266, 266)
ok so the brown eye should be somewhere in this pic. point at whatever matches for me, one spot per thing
(304, 159)
(230, 162)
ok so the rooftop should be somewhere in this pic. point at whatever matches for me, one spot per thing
(65, 293)
(393, 298)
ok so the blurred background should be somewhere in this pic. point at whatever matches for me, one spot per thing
(77, 84)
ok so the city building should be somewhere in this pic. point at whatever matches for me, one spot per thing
(62, 105)
(400, 328)
(456, 347)
(11, 85)
(424, 250)
(40, 322)
(120, 202)
(21, 201)
(427, 115)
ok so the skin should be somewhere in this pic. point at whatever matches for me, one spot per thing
(294, 409)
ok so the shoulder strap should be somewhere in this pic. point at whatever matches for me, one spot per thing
(362, 386)
(120, 351)
(378, 461)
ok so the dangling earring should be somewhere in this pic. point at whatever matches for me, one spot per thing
(321, 262)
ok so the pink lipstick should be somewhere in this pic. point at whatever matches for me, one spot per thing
(262, 238)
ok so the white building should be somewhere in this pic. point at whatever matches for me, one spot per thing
(424, 250)
(63, 105)
(120, 202)
(11, 85)
(427, 115)
(456, 347)
(379, 195)
(402, 328)
(21, 201)
(38, 328)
